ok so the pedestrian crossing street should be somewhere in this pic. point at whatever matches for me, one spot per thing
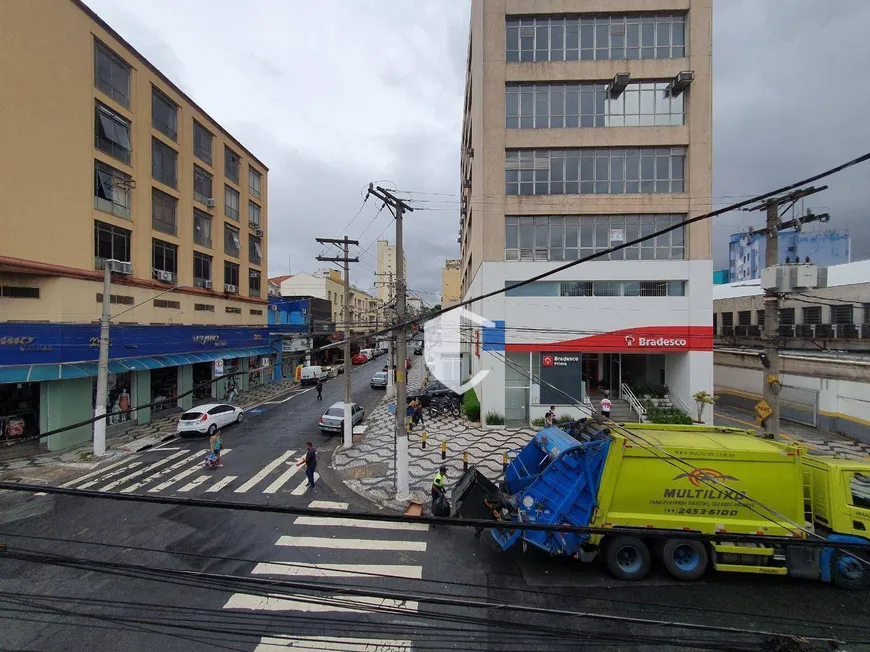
(183, 472)
(349, 552)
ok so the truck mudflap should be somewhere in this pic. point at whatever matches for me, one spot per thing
(554, 481)
(845, 569)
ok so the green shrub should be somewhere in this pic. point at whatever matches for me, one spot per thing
(650, 389)
(471, 405)
(666, 415)
(538, 423)
(564, 418)
(494, 418)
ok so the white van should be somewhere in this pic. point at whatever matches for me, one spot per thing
(369, 353)
(310, 375)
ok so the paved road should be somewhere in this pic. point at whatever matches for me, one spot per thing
(232, 605)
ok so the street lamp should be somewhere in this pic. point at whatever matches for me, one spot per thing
(109, 265)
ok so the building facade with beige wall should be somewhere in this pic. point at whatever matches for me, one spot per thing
(385, 277)
(108, 160)
(329, 284)
(587, 124)
(451, 283)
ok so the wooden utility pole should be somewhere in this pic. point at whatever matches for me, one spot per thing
(346, 260)
(399, 207)
(772, 384)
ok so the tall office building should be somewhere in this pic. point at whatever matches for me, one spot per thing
(587, 123)
(385, 280)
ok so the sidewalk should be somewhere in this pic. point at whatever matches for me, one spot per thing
(818, 441)
(138, 437)
(368, 467)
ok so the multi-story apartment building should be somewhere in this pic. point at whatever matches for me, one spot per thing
(385, 278)
(746, 253)
(587, 124)
(451, 281)
(108, 163)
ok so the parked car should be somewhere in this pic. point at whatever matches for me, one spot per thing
(310, 375)
(205, 419)
(369, 353)
(433, 389)
(379, 380)
(359, 358)
(407, 366)
(332, 420)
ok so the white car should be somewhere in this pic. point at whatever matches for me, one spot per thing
(205, 419)
(332, 420)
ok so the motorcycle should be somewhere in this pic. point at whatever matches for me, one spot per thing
(444, 405)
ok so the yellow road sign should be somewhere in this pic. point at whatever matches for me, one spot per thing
(762, 409)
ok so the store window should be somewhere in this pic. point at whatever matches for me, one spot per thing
(164, 386)
(19, 410)
(119, 399)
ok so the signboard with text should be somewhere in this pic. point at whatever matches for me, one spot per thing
(652, 339)
(561, 378)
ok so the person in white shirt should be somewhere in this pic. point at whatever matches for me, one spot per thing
(606, 406)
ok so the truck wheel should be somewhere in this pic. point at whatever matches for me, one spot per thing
(628, 558)
(850, 572)
(685, 559)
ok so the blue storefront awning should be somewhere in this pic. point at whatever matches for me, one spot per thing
(42, 372)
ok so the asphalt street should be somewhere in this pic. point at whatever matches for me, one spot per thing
(87, 574)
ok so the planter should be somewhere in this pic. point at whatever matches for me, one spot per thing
(493, 426)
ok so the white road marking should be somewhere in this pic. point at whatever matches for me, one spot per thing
(317, 604)
(131, 476)
(110, 474)
(195, 483)
(282, 479)
(220, 484)
(266, 470)
(87, 476)
(352, 522)
(283, 643)
(326, 504)
(304, 391)
(337, 570)
(159, 474)
(167, 448)
(303, 486)
(40, 493)
(184, 474)
(351, 544)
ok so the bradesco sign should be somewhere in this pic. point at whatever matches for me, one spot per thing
(655, 342)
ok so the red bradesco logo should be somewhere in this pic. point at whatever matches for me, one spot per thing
(547, 361)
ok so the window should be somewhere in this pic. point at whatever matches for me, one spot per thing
(201, 270)
(595, 171)
(164, 163)
(231, 165)
(253, 214)
(254, 182)
(728, 319)
(231, 278)
(759, 317)
(715, 323)
(571, 38)
(111, 243)
(202, 142)
(163, 212)
(201, 185)
(812, 315)
(18, 292)
(112, 133)
(554, 106)
(164, 258)
(165, 303)
(256, 312)
(254, 283)
(231, 203)
(859, 489)
(598, 289)
(255, 252)
(744, 318)
(786, 316)
(121, 299)
(842, 314)
(201, 228)
(111, 190)
(233, 310)
(164, 114)
(232, 244)
(111, 74)
(572, 237)
(203, 307)
(867, 313)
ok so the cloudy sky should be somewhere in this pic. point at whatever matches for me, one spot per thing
(332, 94)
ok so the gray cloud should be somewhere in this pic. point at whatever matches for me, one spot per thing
(333, 94)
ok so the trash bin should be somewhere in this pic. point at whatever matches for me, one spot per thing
(471, 495)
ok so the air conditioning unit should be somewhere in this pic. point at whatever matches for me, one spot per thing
(163, 275)
(229, 287)
(754, 330)
(847, 331)
(209, 202)
(259, 233)
(119, 267)
(804, 330)
(786, 330)
(824, 330)
(619, 83)
(206, 285)
(728, 331)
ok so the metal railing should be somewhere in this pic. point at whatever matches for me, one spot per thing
(628, 395)
(676, 401)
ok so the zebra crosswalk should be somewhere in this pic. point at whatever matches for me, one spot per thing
(363, 553)
(183, 472)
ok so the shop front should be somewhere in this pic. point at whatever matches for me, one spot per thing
(202, 377)
(119, 398)
(19, 410)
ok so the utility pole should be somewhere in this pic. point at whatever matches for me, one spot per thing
(347, 260)
(399, 207)
(103, 365)
(772, 384)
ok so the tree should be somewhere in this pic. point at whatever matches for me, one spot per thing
(702, 400)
